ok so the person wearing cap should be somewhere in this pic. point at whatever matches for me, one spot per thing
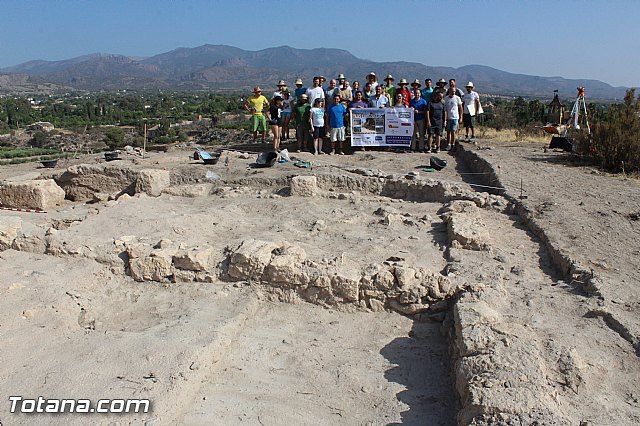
(470, 106)
(299, 90)
(255, 104)
(372, 79)
(452, 85)
(315, 92)
(419, 107)
(406, 94)
(453, 106)
(390, 90)
(300, 116)
(428, 89)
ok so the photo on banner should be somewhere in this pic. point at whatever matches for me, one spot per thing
(381, 127)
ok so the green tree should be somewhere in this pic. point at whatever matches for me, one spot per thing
(114, 137)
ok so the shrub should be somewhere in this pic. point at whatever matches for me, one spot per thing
(616, 136)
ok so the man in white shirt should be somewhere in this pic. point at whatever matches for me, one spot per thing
(315, 92)
(471, 107)
(453, 107)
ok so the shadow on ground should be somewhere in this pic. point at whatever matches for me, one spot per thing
(423, 366)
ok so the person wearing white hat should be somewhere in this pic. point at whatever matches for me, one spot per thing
(471, 107)
(390, 90)
(406, 94)
(372, 79)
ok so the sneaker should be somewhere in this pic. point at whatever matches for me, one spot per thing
(466, 138)
(340, 153)
(473, 139)
(332, 152)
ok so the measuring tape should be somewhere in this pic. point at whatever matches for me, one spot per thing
(12, 209)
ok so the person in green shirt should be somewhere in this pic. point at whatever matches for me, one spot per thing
(300, 116)
(390, 90)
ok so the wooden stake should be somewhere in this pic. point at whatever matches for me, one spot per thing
(144, 143)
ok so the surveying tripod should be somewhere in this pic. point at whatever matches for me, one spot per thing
(574, 118)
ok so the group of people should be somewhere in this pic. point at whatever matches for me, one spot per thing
(316, 109)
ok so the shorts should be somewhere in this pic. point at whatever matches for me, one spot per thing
(452, 125)
(285, 114)
(258, 122)
(468, 120)
(318, 132)
(338, 134)
(436, 130)
(275, 122)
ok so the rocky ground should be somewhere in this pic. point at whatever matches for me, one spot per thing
(351, 292)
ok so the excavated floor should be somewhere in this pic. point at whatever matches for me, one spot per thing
(221, 352)
(520, 344)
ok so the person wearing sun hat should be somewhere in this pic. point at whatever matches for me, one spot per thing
(440, 87)
(299, 90)
(281, 87)
(406, 93)
(372, 79)
(390, 90)
(255, 104)
(341, 79)
(470, 106)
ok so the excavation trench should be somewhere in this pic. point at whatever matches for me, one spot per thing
(360, 245)
(213, 259)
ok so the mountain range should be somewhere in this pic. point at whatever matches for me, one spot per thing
(221, 67)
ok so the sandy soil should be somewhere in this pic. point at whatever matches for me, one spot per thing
(226, 353)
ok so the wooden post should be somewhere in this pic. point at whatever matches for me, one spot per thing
(144, 143)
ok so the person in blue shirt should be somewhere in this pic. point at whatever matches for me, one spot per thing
(428, 90)
(337, 133)
(299, 90)
(419, 106)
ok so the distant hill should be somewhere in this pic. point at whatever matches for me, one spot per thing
(226, 67)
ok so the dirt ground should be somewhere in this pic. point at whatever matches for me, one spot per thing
(77, 326)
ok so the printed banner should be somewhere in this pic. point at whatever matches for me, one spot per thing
(381, 126)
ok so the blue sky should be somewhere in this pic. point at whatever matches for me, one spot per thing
(591, 39)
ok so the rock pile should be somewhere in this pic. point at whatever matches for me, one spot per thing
(284, 269)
